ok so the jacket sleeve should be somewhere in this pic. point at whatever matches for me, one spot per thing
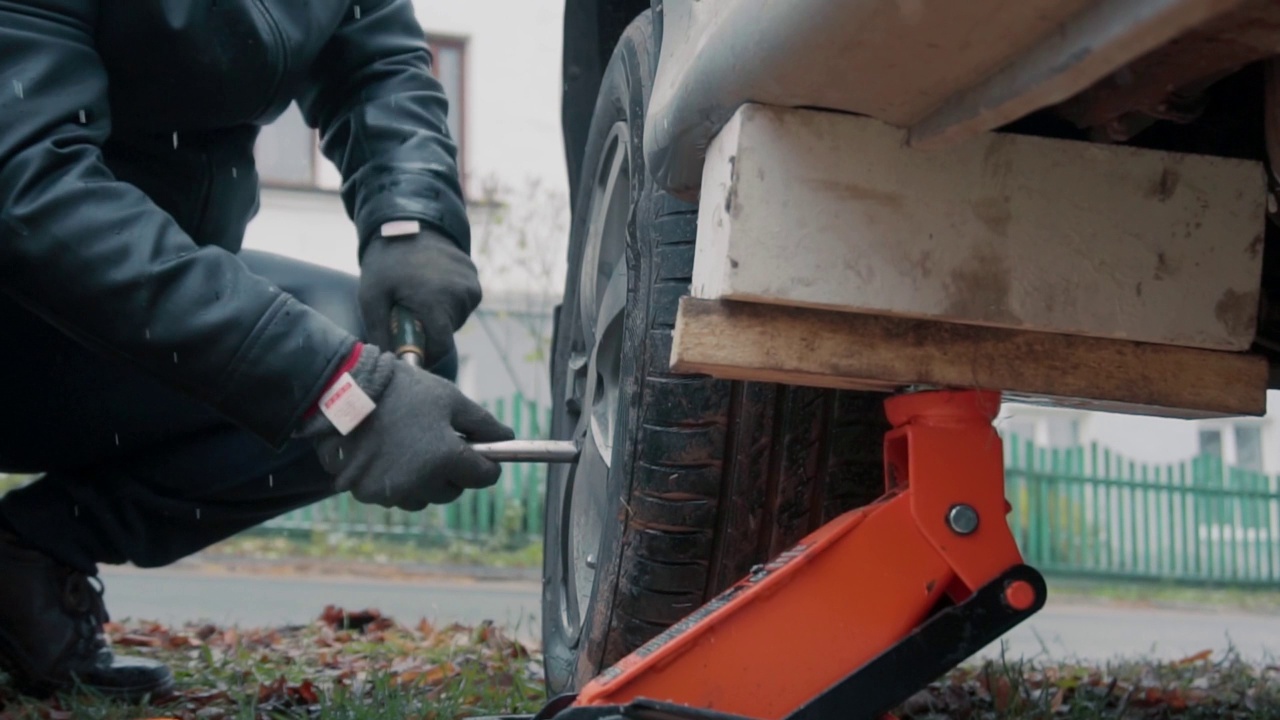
(96, 258)
(382, 118)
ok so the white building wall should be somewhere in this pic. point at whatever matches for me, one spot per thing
(1142, 439)
(512, 124)
(513, 84)
(512, 136)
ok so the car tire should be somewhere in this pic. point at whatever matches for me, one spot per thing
(690, 481)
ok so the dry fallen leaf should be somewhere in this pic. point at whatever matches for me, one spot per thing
(307, 692)
(135, 640)
(341, 619)
(1193, 659)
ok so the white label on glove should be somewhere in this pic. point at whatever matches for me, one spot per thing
(401, 227)
(346, 404)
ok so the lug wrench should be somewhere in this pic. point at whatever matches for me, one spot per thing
(407, 334)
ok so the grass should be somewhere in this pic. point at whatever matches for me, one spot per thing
(365, 549)
(1196, 687)
(344, 666)
(362, 666)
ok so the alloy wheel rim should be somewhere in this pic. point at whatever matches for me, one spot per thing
(593, 377)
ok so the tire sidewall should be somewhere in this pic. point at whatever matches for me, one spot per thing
(624, 94)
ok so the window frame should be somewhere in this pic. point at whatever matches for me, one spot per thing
(1204, 431)
(459, 104)
(461, 43)
(1258, 430)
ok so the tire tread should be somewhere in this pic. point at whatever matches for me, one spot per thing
(772, 462)
(721, 475)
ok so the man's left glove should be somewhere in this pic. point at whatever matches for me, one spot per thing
(412, 448)
(430, 276)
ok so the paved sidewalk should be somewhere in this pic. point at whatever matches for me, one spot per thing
(1092, 632)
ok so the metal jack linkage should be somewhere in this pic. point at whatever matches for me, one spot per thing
(863, 612)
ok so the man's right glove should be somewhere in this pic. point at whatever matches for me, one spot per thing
(407, 452)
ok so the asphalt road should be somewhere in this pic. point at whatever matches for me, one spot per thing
(1063, 631)
(174, 597)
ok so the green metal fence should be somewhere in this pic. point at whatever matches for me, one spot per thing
(1089, 511)
(511, 511)
(1076, 511)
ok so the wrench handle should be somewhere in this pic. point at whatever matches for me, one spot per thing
(407, 336)
(537, 451)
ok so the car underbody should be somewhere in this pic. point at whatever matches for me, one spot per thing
(1073, 69)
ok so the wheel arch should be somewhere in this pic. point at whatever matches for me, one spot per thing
(591, 30)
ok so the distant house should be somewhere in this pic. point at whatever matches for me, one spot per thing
(499, 63)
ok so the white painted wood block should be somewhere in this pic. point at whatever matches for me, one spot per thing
(818, 209)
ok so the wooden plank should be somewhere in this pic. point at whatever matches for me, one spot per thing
(821, 209)
(1086, 49)
(802, 346)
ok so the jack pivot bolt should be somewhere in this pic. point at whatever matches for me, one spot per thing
(962, 519)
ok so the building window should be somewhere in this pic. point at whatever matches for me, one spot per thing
(284, 151)
(1248, 447)
(1211, 443)
(288, 152)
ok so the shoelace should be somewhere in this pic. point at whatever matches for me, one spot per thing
(82, 594)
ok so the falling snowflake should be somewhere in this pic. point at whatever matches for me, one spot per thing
(233, 172)
(175, 358)
(175, 141)
(197, 513)
(82, 118)
(77, 510)
(17, 88)
(357, 12)
(117, 439)
(271, 481)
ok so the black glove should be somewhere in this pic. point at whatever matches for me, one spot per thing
(429, 275)
(407, 453)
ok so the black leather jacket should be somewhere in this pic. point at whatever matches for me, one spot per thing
(121, 239)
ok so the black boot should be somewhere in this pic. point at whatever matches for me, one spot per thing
(51, 634)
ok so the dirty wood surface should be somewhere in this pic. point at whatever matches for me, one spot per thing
(803, 346)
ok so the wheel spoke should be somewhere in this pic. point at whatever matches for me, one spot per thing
(604, 373)
(613, 302)
(590, 503)
(606, 232)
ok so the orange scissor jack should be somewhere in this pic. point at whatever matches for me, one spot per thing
(863, 612)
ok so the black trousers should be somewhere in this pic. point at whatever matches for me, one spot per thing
(134, 471)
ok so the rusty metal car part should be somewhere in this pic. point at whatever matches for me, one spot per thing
(1169, 82)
